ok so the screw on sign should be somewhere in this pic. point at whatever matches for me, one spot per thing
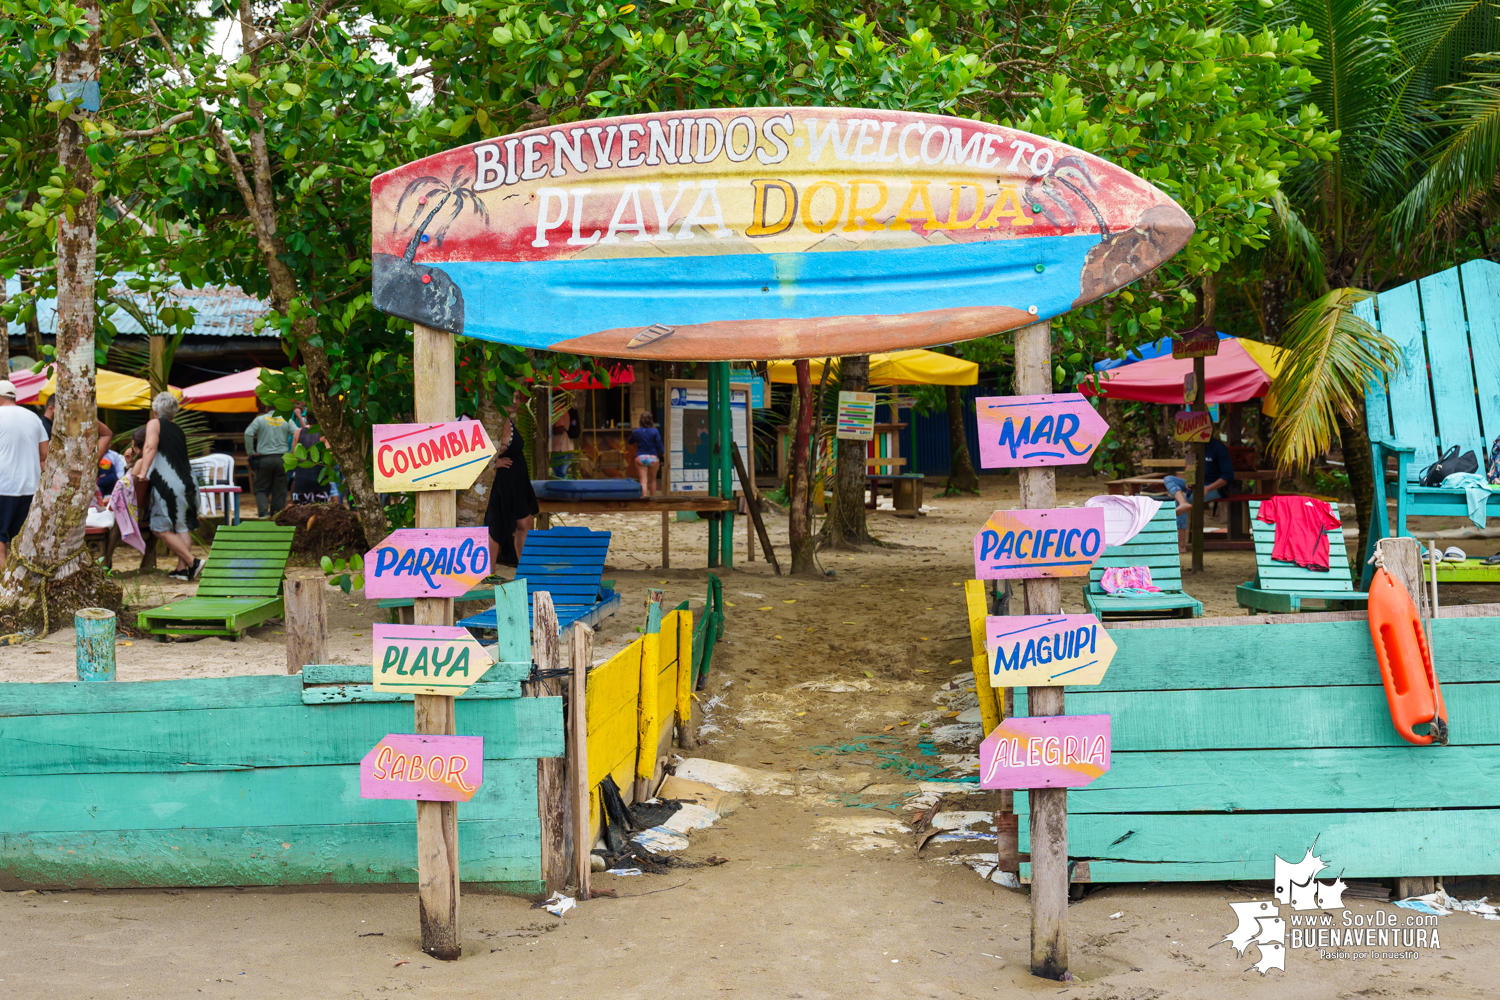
(1028, 544)
(1021, 431)
(1050, 751)
(426, 768)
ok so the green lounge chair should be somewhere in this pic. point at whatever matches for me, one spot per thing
(1280, 587)
(240, 585)
(1155, 546)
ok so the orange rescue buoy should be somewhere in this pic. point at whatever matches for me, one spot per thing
(1411, 686)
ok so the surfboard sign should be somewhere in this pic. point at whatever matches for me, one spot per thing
(1028, 431)
(1047, 650)
(1045, 542)
(706, 235)
(1049, 751)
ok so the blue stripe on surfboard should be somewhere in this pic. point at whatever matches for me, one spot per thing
(539, 303)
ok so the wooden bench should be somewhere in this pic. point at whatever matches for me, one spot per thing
(1155, 547)
(906, 492)
(1281, 587)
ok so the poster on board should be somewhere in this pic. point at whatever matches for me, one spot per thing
(856, 416)
(688, 446)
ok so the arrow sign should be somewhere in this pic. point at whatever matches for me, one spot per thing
(446, 456)
(429, 768)
(1047, 650)
(1025, 431)
(1050, 751)
(1191, 425)
(427, 562)
(427, 659)
(1027, 544)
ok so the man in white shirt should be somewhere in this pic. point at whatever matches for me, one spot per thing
(23, 449)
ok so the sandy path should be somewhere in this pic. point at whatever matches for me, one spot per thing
(824, 895)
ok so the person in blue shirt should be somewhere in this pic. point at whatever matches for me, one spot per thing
(649, 452)
(1218, 469)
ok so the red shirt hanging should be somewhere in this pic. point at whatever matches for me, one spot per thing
(1301, 523)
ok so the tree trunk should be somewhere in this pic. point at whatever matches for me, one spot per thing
(847, 525)
(961, 476)
(1354, 438)
(799, 520)
(33, 328)
(4, 338)
(50, 547)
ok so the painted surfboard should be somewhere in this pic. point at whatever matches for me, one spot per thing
(759, 233)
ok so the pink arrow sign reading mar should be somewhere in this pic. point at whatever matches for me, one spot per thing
(1027, 544)
(427, 562)
(429, 768)
(1053, 751)
(1024, 431)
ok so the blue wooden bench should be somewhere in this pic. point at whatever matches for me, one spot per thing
(568, 563)
(1439, 397)
(1281, 587)
(1156, 547)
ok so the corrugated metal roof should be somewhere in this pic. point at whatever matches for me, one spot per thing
(217, 312)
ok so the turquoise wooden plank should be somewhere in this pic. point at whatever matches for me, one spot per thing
(355, 854)
(363, 673)
(1286, 717)
(1481, 283)
(359, 694)
(203, 739)
(1366, 844)
(1103, 604)
(514, 633)
(1180, 655)
(69, 698)
(1281, 780)
(1452, 375)
(1411, 406)
(262, 796)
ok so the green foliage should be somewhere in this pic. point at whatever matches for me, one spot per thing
(346, 574)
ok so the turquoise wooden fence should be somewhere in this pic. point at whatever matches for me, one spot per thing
(250, 781)
(1233, 743)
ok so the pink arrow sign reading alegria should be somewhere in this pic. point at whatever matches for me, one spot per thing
(427, 562)
(1050, 751)
(429, 768)
(1023, 431)
(1027, 544)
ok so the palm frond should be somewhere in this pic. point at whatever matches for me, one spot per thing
(1302, 248)
(1331, 355)
(1467, 161)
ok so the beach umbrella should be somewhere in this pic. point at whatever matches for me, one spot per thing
(1242, 370)
(916, 367)
(112, 391)
(1142, 352)
(226, 394)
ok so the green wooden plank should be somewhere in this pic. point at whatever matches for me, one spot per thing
(262, 796)
(1184, 655)
(1281, 780)
(1286, 717)
(363, 673)
(1411, 405)
(1468, 571)
(358, 694)
(71, 698)
(357, 854)
(1368, 844)
(1452, 374)
(198, 739)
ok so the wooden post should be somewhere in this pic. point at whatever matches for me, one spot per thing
(752, 504)
(552, 798)
(580, 655)
(666, 540)
(1195, 517)
(437, 822)
(726, 475)
(715, 417)
(1049, 806)
(94, 631)
(306, 622)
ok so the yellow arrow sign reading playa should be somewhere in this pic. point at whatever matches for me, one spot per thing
(427, 659)
(1047, 650)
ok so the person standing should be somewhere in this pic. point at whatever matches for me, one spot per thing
(649, 451)
(174, 496)
(267, 440)
(512, 509)
(23, 449)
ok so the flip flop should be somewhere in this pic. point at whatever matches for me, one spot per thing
(1493, 560)
(1454, 554)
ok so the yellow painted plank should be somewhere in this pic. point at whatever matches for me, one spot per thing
(989, 709)
(650, 717)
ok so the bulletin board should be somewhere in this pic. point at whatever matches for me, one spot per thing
(688, 447)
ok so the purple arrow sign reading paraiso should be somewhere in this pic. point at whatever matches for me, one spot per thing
(1025, 431)
(1049, 751)
(428, 768)
(1027, 544)
(427, 562)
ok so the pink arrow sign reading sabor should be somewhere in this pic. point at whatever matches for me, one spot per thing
(1025, 431)
(427, 562)
(1050, 751)
(1026, 544)
(429, 768)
